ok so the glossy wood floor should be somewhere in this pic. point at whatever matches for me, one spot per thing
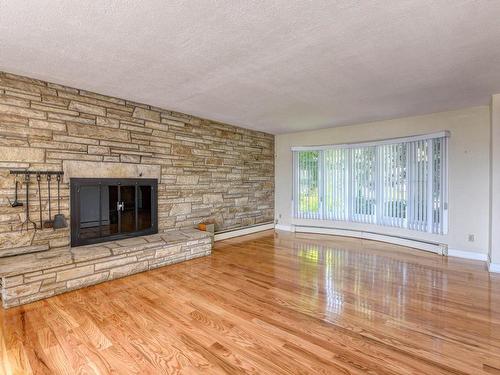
(270, 304)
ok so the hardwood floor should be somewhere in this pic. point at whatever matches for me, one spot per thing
(270, 303)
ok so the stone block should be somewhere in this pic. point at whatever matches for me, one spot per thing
(24, 112)
(128, 146)
(22, 154)
(65, 138)
(96, 99)
(87, 253)
(135, 128)
(20, 102)
(23, 250)
(241, 201)
(74, 273)
(108, 122)
(59, 268)
(136, 248)
(180, 209)
(59, 242)
(136, 242)
(36, 297)
(113, 159)
(87, 280)
(70, 118)
(21, 290)
(79, 130)
(23, 132)
(128, 269)
(59, 146)
(179, 149)
(114, 263)
(161, 128)
(146, 254)
(173, 237)
(130, 158)
(123, 115)
(200, 249)
(51, 285)
(184, 179)
(26, 84)
(53, 109)
(72, 156)
(28, 96)
(212, 198)
(12, 240)
(42, 276)
(55, 101)
(168, 250)
(146, 114)
(9, 282)
(214, 161)
(98, 150)
(87, 108)
(173, 122)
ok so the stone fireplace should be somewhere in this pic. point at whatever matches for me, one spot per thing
(204, 171)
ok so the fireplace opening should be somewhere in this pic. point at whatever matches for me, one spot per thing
(107, 209)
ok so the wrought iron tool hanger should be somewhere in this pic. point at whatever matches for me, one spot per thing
(27, 221)
(24, 172)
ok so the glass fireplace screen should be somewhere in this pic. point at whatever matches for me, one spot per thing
(107, 209)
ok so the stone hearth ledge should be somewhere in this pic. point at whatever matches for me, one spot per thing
(30, 277)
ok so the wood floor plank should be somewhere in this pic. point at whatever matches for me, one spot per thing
(274, 303)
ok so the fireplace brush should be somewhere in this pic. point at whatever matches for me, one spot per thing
(38, 178)
(49, 223)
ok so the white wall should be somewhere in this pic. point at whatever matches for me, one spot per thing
(469, 169)
(495, 182)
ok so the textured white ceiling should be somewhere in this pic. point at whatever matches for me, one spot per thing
(276, 66)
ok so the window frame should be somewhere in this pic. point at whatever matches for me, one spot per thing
(379, 218)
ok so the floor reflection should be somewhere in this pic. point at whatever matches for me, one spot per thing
(363, 277)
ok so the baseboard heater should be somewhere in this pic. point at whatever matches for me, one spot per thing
(241, 231)
(433, 247)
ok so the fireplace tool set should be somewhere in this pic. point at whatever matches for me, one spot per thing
(59, 221)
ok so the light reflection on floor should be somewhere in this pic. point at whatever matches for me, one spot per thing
(355, 276)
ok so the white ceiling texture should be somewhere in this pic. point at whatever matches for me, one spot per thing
(277, 66)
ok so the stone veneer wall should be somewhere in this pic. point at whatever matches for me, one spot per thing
(208, 170)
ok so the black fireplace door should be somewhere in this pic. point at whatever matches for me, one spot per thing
(109, 209)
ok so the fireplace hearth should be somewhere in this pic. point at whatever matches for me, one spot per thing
(107, 209)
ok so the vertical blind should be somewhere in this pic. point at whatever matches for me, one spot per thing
(400, 183)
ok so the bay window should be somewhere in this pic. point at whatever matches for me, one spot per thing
(400, 183)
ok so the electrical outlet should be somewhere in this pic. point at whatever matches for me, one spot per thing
(279, 216)
(471, 238)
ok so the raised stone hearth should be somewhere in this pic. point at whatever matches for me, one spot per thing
(30, 277)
